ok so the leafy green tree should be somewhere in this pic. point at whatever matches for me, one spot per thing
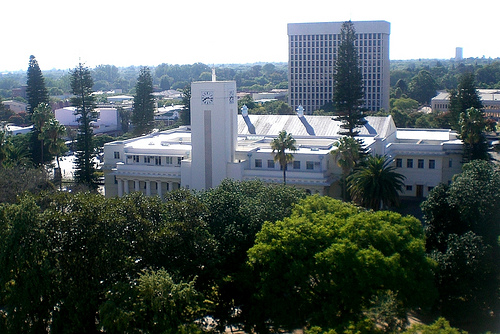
(422, 87)
(348, 152)
(280, 145)
(144, 103)
(152, 303)
(464, 98)
(472, 127)
(41, 115)
(84, 101)
(348, 90)
(376, 184)
(323, 264)
(440, 326)
(462, 231)
(36, 91)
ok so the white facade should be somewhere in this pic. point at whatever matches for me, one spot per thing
(222, 144)
(312, 53)
(107, 118)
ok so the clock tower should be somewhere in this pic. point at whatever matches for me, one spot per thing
(214, 132)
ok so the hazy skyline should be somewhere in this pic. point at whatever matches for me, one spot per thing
(61, 33)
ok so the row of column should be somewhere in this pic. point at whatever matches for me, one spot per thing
(124, 188)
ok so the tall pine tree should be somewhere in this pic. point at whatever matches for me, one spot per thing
(36, 93)
(144, 104)
(348, 93)
(463, 98)
(84, 102)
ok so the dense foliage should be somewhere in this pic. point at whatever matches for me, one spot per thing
(327, 261)
(462, 228)
(144, 103)
(83, 263)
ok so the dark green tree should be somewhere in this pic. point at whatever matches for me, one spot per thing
(462, 227)
(186, 102)
(36, 91)
(472, 126)
(144, 103)
(84, 101)
(348, 88)
(41, 115)
(376, 184)
(463, 98)
(423, 87)
(281, 146)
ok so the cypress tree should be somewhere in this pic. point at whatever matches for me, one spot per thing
(84, 101)
(348, 93)
(36, 92)
(144, 104)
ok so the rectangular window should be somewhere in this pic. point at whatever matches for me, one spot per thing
(420, 163)
(309, 165)
(158, 161)
(117, 155)
(258, 163)
(296, 164)
(450, 163)
(135, 158)
(147, 159)
(270, 164)
(168, 160)
(399, 162)
(409, 188)
(179, 159)
(432, 164)
(409, 163)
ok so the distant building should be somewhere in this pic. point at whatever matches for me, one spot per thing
(19, 92)
(312, 53)
(15, 106)
(459, 54)
(107, 119)
(221, 144)
(490, 99)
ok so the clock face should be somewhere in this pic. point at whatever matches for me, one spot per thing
(231, 96)
(207, 97)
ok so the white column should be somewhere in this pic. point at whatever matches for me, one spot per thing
(136, 185)
(148, 188)
(170, 184)
(125, 183)
(120, 187)
(159, 188)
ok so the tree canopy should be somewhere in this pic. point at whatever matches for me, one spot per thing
(144, 103)
(324, 264)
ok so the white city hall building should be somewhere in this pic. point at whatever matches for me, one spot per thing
(312, 55)
(220, 143)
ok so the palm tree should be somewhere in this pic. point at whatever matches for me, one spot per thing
(280, 145)
(53, 131)
(375, 185)
(41, 114)
(347, 154)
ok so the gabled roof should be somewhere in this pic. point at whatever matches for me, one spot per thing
(307, 126)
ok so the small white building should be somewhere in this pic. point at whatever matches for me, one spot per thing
(107, 119)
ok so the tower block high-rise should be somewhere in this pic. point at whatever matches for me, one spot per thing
(312, 53)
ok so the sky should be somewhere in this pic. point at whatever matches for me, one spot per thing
(62, 33)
